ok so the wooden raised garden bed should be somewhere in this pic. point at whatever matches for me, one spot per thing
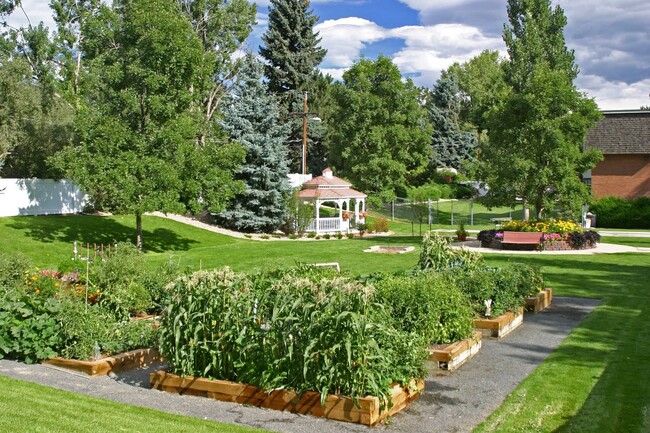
(451, 356)
(500, 326)
(537, 303)
(112, 364)
(336, 407)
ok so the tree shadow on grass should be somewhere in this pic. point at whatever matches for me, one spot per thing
(95, 230)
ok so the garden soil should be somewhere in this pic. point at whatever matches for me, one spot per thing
(452, 402)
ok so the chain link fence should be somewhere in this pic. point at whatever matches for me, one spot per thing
(447, 212)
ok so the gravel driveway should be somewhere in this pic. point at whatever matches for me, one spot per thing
(454, 402)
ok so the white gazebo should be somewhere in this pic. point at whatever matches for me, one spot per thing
(331, 189)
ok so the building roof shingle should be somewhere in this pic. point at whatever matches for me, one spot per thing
(621, 132)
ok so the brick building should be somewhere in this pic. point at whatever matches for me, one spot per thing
(624, 138)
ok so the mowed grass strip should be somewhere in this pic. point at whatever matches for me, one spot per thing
(48, 240)
(598, 380)
(27, 407)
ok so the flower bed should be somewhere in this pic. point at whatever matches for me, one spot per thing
(557, 235)
(366, 410)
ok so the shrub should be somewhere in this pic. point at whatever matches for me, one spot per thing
(427, 305)
(580, 240)
(82, 327)
(437, 254)
(120, 276)
(28, 328)
(614, 212)
(363, 228)
(327, 236)
(13, 268)
(339, 235)
(350, 235)
(294, 329)
(380, 225)
(311, 235)
(487, 236)
(506, 287)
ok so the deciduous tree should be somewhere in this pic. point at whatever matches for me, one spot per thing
(378, 130)
(138, 150)
(537, 131)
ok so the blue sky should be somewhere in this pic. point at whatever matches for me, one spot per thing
(610, 38)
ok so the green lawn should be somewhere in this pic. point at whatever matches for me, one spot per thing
(597, 380)
(27, 407)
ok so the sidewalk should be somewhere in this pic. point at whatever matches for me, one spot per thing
(454, 402)
(602, 248)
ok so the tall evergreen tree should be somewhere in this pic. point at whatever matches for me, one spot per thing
(291, 50)
(537, 131)
(451, 147)
(251, 118)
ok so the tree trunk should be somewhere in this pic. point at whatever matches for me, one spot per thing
(138, 229)
(526, 211)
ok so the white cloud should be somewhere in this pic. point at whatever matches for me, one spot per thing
(346, 37)
(615, 95)
(427, 49)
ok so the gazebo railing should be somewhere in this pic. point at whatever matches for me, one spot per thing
(325, 225)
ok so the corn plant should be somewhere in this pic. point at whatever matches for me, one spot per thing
(299, 329)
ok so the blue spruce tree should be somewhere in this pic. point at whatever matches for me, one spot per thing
(450, 145)
(250, 117)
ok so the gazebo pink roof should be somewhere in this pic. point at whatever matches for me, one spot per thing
(329, 186)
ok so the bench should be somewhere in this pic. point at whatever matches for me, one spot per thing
(521, 238)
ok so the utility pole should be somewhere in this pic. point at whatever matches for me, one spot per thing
(304, 135)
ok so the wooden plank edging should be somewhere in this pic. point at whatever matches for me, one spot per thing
(452, 356)
(336, 407)
(540, 302)
(112, 364)
(500, 326)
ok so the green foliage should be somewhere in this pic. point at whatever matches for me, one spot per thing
(33, 123)
(506, 286)
(426, 304)
(28, 329)
(437, 254)
(251, 118)
(138, 149)
(81, 327)
(538, 128)
(292, 54)
(13, 268)
(451, 147)
(482, 86)
(299, 214)
(298, 329)
(615, 212)
(378, 131)
(120, 277)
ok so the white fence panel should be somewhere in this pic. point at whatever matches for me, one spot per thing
(40, 197)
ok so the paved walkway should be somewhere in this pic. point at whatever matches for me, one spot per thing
(454, 402)
(602, 248)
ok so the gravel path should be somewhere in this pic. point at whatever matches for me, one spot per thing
(454, 402)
